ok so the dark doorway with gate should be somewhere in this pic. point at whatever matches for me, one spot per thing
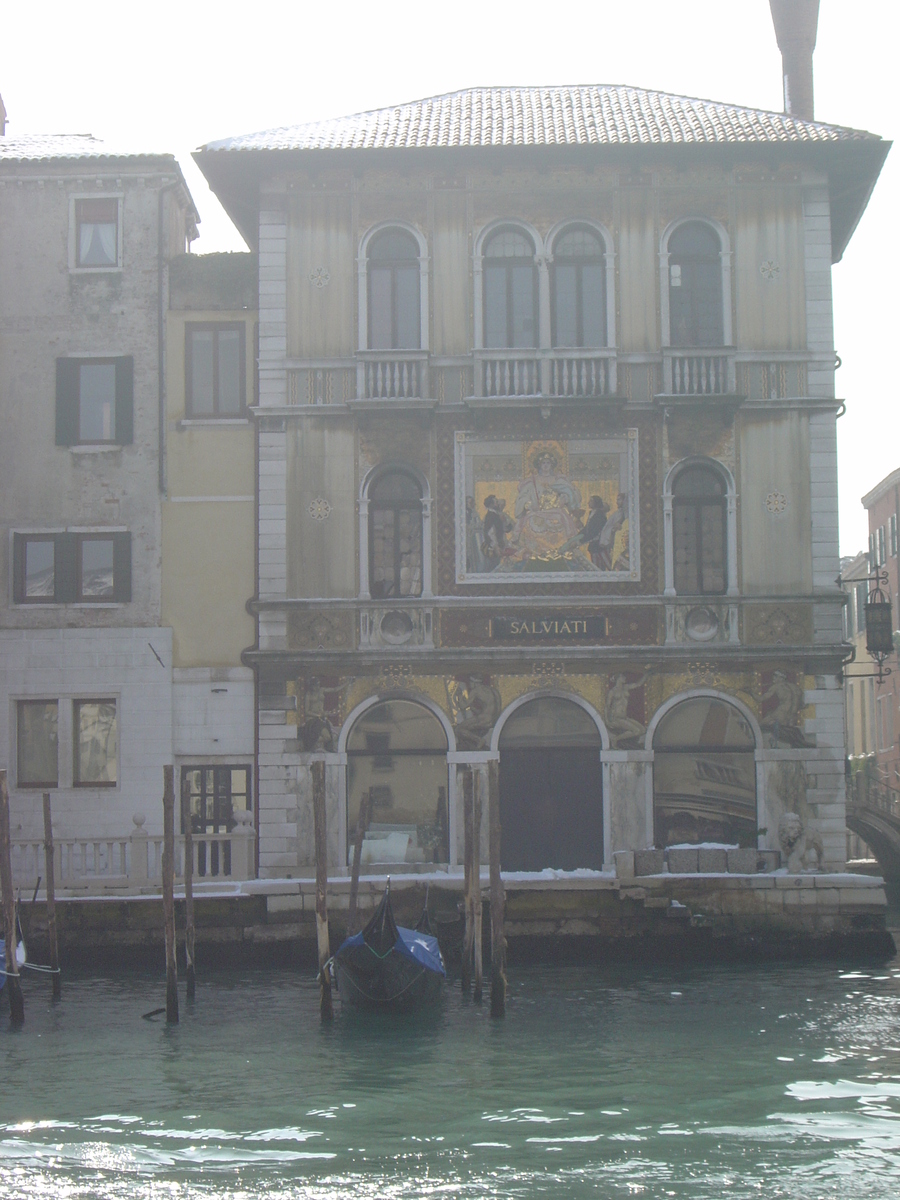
(551, 807)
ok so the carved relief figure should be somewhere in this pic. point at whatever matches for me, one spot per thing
(779, 708)
(475, 704)
(321, 715)
(622, 726)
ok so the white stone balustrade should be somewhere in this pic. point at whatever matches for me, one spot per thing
(134, 863)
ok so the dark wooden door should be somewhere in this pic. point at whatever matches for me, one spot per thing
(551, 809)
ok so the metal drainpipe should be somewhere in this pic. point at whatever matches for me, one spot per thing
(160, 332)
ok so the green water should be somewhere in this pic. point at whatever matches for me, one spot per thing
(695, 1083)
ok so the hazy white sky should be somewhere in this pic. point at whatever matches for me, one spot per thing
(170, 76)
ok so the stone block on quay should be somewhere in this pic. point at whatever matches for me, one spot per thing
(649, 862)
(712, 862)
(862, 898)
(768, 860)
(682, 861)
(624, 861)
(742, 862)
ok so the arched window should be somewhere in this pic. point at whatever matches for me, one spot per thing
(397, 758)
(510, 291)
(395, 536)
(699, 533)
(695, 286)
(393, 291)
(579, 289)
(704, 775)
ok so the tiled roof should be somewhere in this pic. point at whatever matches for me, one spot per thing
(41, 147)
(590, 115)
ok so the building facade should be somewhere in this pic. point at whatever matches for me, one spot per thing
(547, 473)
(124, 562)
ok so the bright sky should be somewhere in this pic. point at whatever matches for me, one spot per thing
(170, 76)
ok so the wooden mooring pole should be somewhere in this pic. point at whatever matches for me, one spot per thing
(49, 869)
(14, 987)
(168, 893)
(498, 942)
(188, 886)
(326, 1008)
(477, 906)
(468, 904)
(365, 816)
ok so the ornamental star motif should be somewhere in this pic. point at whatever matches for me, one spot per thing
(769, 269)
(320, 276)
(319, 509)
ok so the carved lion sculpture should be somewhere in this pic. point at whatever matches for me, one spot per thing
(797, 843)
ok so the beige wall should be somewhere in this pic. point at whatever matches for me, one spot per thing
(322, 465)
(775, 534)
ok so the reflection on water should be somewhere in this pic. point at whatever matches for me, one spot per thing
(692, 1083)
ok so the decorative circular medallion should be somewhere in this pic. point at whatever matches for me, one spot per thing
(320, 276)
(319, 509)
(769, 269)
(776, 503)
(701, 624)
(396, 627)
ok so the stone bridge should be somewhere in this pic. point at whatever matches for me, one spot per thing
(873, 812)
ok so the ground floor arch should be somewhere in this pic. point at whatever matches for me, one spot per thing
(704, 775)
(551, 792)
(397, 760)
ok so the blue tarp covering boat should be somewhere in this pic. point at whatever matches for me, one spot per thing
(388, 965)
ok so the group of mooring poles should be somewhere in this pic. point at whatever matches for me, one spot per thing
(472, 960)
(168, 893)
(8, 900)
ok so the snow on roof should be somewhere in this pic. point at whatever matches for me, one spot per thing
(584, 115)
(42, 147)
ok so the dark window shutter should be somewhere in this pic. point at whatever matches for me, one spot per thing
(122, 567)
(125, 401)
(67, 401)
(18, 568)
(66, 568)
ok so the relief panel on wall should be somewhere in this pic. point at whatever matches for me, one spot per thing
(553, 509)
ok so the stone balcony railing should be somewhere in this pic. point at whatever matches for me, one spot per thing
(699, 372)
(134, 863)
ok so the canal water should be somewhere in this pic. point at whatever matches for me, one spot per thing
(702, 1082)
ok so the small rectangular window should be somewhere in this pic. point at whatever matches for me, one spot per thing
(70, 568)
(96, 743)
(879, 546)
(37, 743)
(94, 401)
(214, 370)
(893, 534)
(97, 232)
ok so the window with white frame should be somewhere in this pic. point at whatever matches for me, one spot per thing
(579, 289)
(214, 370)
(880, 555)
(395, 536)
(97, 232)
(393, 291)
(699, 532)
(510, 291)
(892, 526)
(696, 315)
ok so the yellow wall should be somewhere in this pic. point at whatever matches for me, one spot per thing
(208, 546)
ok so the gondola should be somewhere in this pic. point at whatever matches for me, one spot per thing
(388, 966)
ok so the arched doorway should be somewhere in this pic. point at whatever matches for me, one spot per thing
(704, 775)
(551, 809)
(397, 752)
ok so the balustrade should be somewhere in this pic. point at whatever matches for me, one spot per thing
(396, 376)
(696, 373)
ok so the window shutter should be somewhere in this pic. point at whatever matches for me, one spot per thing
(125, 401)
(66, 568)
(66, 401)
(122, 567)
(18, 568)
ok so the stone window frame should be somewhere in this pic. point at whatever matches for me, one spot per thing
(730, 498)
(725, 259)
(99, 194)
(560, 230)
(363, 507)
(362, 274)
